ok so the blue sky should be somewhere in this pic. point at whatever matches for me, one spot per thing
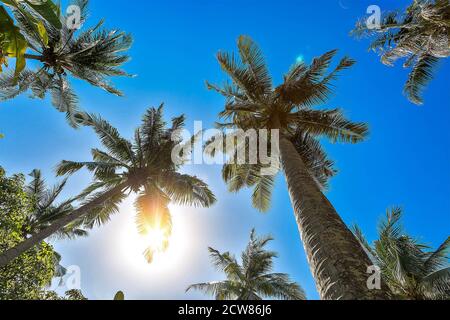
(404, 162)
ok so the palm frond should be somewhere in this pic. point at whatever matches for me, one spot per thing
(439, 258)
(315, 158)
(101, 215)
(65, 100)
(221, 290)
(419, 35)
(12, 85)
(278, 285)
(111, 139)
(262, 192)
(419, 77)
(253, 58)
(152, 129)
(332, 124)
(186, 190)
(37, 187)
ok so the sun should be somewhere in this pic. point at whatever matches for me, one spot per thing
(169, 251)
(156, 239)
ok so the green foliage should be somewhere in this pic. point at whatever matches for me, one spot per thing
(12, 42)
(75, 295)
(93, 55)
(120, 296)
(253, 278)
(411, 269)
(143, 166)
(36, 14)
(420, 36)
(252, 102)
(71, 295)
(26, 277)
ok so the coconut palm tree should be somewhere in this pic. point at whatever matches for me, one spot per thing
(253, 280)
(337, 261)
(61, 51)
(420, 36)
(412, 270)
(143, 166)
(46, 211)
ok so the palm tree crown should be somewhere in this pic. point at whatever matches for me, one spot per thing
(46, 211)
(420, 35)
(411, 269)
(92, 55)
(253, 103)
(143, 166)
(252, 280)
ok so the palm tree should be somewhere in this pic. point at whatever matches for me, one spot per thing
(420, 36)
(337, 261)
(143, 166)
(93, 55)
(46, 211)
(412, 270)
(253, 280)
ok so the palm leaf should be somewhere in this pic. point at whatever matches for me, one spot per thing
(420, 76)
(332, 124)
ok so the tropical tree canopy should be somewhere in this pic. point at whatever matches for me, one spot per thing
(143, 166)
(26, 277)
(253, 278)
(411, 269)
(420, 36)
(61, 51)
(252, 102)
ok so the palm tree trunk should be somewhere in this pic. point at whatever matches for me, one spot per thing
(13, 253)
(336, 258)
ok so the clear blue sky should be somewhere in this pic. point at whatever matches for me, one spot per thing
(404, 162)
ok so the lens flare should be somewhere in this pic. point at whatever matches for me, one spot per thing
(156, 239)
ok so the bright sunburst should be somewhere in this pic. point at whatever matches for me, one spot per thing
(156, 239)
(168, 252)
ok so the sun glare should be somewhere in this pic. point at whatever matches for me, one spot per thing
(156, 239)
(168, 252)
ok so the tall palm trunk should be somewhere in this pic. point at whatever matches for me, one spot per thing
(13, 253)
(337, 260)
